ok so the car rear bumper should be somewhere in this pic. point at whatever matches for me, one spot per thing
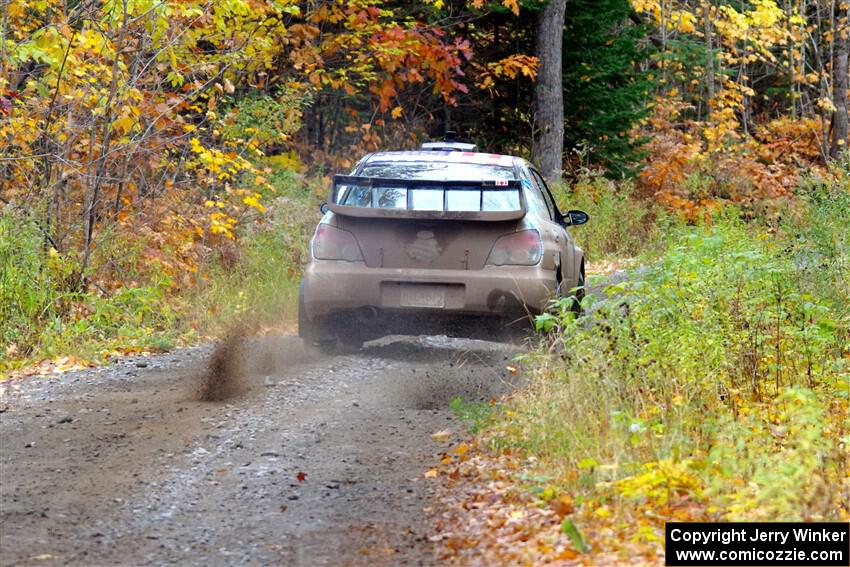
(334, 286)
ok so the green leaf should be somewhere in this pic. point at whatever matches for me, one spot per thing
(569, 528)
(545, 322)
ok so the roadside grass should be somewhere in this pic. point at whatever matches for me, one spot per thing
(619, 227)
(253, 280)
(713, 383)
(40, 317)
(259, 287)
(476, 415)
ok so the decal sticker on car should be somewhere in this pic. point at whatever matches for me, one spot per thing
(425, 247)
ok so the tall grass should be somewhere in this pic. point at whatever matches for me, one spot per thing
(719, 370)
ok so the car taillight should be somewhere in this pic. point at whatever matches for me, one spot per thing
(331, 243)
(522, 248)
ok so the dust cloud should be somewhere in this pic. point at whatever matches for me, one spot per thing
(224, 378)
(246, 358)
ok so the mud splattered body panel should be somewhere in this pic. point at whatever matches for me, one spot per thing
(445, 237)
(404, 243)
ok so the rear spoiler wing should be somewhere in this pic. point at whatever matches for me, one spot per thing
(379, 197)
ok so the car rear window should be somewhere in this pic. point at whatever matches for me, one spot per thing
(437, 198)
(437, 171)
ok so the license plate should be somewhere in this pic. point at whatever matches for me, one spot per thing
(431, 296)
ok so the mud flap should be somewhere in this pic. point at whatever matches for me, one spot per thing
(310, 331)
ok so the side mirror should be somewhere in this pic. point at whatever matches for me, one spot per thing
(324, 207)
(575, 218)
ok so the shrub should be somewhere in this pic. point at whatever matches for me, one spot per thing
(619, 226)
(132, 300)
(43, 313)
(724, 359)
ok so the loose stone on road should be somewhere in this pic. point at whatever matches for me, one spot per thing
(309, 460)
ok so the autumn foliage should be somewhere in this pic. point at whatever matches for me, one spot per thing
(162, 162)
(142, 139)
(746, 107)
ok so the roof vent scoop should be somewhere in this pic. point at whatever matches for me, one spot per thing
(449, 144)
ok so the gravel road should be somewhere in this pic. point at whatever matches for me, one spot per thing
(310, 460)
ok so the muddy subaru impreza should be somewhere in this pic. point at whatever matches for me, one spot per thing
(443, 241)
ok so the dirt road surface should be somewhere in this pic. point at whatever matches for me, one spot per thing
(310, 460)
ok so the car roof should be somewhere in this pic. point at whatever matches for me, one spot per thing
(442, 156)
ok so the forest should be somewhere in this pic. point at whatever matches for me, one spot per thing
(163, 161)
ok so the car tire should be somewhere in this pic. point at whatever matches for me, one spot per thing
(580, 293)
(317, 337)
(306, 328)
(310, 332)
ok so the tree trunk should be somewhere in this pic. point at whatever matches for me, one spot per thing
(840, 119)
(547, 148)
(709, 57)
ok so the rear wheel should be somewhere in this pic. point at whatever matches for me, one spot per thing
(580, 293)
(323, 336)
(306, 328)
(311, 332)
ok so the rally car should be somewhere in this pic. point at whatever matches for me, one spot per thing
(440, 240)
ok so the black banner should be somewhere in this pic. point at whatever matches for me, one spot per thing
(825, 544)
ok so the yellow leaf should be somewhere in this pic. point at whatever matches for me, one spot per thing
(252, 201)
(123, 124)
(397, 112)
(513, 5)
(462, 449)
(431, 474)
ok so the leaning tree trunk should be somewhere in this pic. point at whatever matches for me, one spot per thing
(547, 149)
(840, 118)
